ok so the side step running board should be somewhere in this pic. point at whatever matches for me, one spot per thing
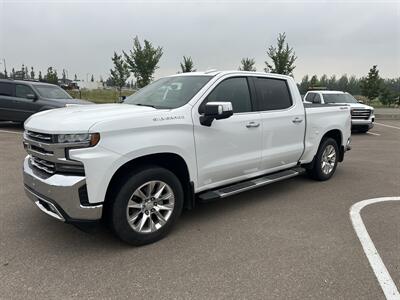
(250, 184)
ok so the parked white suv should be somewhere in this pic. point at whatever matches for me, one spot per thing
(187, 137)
(362, 116)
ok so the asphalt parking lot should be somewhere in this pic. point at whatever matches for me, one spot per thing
(293, 239)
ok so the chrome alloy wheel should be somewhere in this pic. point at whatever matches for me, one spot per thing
(150, 206)
(328, 159)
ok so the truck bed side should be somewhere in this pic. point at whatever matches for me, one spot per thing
(321, 119)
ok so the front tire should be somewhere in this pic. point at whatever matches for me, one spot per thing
(325, 161)
(147, 205)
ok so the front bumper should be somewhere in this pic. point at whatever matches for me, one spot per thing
(58, 195)
(362, 123)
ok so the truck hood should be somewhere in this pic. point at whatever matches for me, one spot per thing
(79, 118)
(357, 105)
(64, 102)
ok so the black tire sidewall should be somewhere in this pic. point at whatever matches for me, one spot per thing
(119, 221)
(318, 173)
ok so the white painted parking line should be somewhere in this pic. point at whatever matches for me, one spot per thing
(379, 268)
(390, 126)
(9, 131)
(373, 133)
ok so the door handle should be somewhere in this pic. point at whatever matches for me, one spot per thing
(252, 124)
(297, 120)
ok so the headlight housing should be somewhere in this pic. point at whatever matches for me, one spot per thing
(88, 139)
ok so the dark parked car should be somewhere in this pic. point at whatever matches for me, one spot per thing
(21, 99)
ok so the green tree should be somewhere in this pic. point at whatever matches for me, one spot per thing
(343, 83)
(120, 72)
(282, 56)
(353, 86)
(314, 81)
(371, 85)
(51, 76)
(143, 61)
(75, 78)
(332, 83)
(64, 76)
(92, 78)
(32, 73)
(40, 76)
(247, 64)
(304, 85)
(323, 81)
(387, 97)
(187, 65)
(110, 82)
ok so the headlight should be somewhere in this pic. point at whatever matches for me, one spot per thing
(90, 138)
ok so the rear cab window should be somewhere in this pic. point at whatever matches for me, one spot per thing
(310, 97)
(272, 94)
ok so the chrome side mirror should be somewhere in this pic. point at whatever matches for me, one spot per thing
(216, 111)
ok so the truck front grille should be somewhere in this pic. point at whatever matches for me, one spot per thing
(360, 114)
(40, 137)
(43, 165)
(49, 156)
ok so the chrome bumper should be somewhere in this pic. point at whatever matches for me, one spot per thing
(58, 195)
(358, 122)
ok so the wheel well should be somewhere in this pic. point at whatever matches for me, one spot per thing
(337, 136)
(170, 161)
(334, 134)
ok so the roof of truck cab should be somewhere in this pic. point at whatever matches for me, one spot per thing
(327, 92)
(221, 73)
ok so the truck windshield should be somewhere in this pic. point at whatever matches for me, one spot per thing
(52, 92)
(169, 92)
(339, 98)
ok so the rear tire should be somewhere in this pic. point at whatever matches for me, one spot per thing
(325, 161)
(146, 206)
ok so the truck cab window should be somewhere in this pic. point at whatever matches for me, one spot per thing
(272, 94)
(310, 97)
(234, 90)
(317, 99)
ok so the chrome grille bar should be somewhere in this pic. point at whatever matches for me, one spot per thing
(42, 137)
(360, 114)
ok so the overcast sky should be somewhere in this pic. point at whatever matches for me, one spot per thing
(329, 37)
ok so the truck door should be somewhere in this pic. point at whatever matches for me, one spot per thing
(283, 124)
(230, 149)
(24, 104)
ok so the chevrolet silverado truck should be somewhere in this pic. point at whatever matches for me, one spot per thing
(362, 116)
(184, 138)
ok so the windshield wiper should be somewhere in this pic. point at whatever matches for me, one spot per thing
(142, 104)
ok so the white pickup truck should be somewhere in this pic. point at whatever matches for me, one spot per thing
(186, 137)
(362, 116)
